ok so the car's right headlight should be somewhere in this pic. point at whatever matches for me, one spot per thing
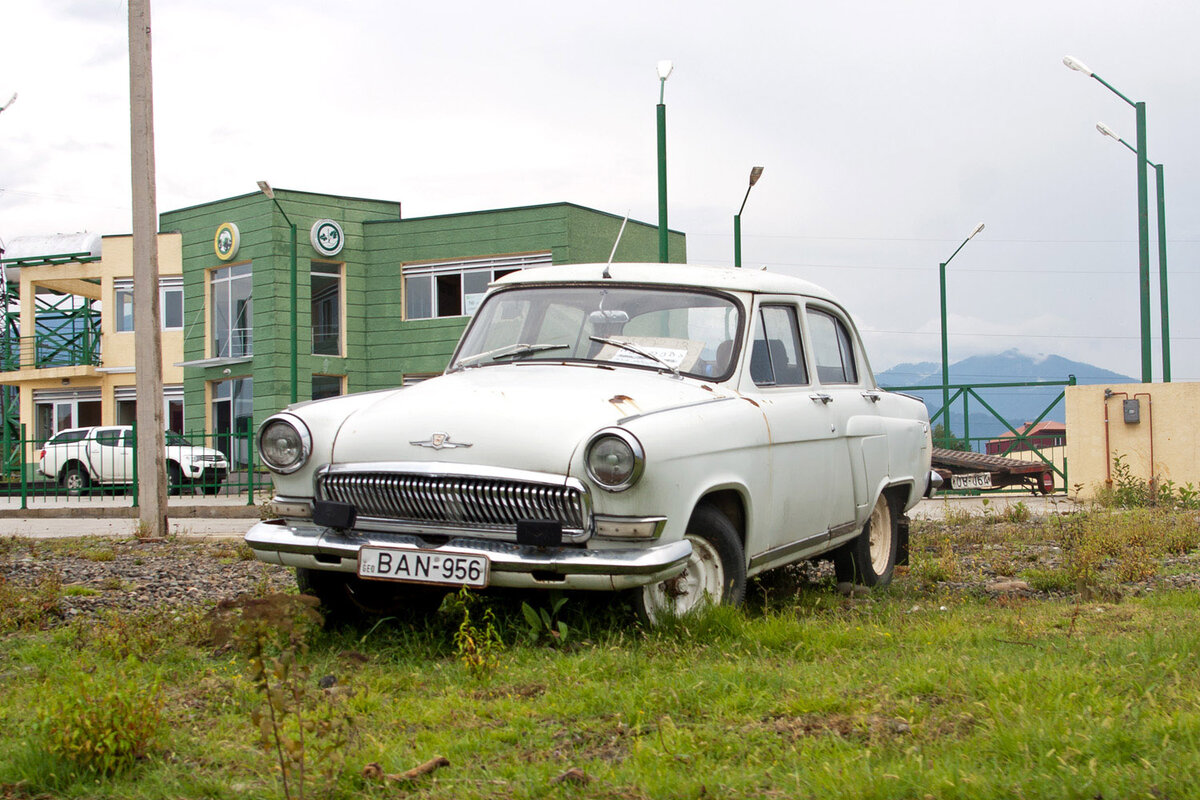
(615, 459)
(284, 443)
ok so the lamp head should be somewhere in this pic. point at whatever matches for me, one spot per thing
(978, 228)
(664, 70)
(1077, 65)
(755, 174)
(1107, 131)
(266, 189)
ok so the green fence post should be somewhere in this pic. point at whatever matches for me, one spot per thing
(24, 476)
(967, 420)
(250, 466)
(134, 484)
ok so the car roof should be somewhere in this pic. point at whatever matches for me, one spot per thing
(690, 275)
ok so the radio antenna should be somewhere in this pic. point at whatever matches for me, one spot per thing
(620, 233)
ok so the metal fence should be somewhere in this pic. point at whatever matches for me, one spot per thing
(102, 462)
(1021, 441)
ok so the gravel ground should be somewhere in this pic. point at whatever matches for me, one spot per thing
(97, 573)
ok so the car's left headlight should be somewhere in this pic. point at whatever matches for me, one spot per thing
(615, 459)
(284, 443)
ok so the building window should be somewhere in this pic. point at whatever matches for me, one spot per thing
(170, 304)
(326, 386)
(454, 288)
(56, 411)
(123, 307)
(232, 416)
(126, 406)
(326, 283)
(232, 312)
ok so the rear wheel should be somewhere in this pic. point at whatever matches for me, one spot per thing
(75, 480)
(344, 596)
(870, 558)
(715, 571)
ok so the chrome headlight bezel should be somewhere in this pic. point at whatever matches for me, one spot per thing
(305, 437)
(635, 452)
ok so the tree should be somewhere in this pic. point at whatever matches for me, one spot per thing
(948, 441)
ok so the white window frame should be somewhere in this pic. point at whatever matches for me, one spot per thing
(463, 267)
(166, 286)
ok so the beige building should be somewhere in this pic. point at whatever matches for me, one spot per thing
(1150, 426)
(73, 360)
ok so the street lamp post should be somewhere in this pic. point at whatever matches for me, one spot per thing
(1164, 312)
(266, 189)
(755, 174)
(945, 343)
(664, 72)
(1143, 212)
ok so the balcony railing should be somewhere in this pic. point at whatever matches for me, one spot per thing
(43, 350)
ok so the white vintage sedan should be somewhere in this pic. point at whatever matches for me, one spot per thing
(665, 429)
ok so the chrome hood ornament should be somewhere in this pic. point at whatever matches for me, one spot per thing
(440, 441)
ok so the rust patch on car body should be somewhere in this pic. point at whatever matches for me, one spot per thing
(625, 404)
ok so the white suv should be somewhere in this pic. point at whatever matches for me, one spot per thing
(79, 457)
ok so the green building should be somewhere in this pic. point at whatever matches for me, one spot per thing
(380, 301)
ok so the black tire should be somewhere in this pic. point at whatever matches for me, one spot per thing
(174, 478)
(212, 488)
(854, 562)
(718, 561)
(345, 597)
(75, 480)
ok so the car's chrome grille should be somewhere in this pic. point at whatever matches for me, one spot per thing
(465, 502)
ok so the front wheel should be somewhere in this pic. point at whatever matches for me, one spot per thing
(715, 571)
(869, 559)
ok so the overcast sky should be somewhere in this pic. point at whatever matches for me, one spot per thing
(888, 130)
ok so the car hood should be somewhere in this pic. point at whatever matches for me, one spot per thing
(525, 417)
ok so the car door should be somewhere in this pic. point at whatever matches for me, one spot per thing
(108, 457)
(795, 514)
(861, 460)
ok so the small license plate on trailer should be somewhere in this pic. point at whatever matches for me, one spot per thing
(973, 480)
(423, 566)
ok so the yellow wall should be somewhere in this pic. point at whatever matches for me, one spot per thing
(117, 349)
(1168, 417)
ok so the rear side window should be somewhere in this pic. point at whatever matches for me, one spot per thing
(108, 438)
(68, 436)
(832, 348)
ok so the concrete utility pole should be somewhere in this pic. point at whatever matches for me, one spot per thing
(147, 337)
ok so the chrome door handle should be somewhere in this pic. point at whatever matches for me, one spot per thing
(872, 396)
(821, 396)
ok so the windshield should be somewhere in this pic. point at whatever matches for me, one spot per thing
(175, 440)
(681, 331)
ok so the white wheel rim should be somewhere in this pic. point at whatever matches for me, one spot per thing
(880, 532)
(702, 581)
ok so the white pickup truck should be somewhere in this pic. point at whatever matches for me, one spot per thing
(80, 457)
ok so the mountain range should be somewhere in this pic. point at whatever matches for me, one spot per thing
(1016, 404)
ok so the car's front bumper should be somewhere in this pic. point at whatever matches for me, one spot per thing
(314, 547)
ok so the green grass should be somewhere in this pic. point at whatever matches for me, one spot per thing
(914, 691)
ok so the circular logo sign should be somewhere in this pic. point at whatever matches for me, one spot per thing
(226, 242)
(326, 237)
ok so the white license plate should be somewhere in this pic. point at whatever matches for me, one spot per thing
(974, 480)
(423, 566)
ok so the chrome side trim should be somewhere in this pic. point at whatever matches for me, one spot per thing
(784, 552)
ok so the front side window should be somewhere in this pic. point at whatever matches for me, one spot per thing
(326, 283)
(777, 359)
(832, 348)
(232, 312)
(690, 331)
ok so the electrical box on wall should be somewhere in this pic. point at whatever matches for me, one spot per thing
(1133, 410)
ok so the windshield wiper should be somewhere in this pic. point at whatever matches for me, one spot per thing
(508, 351)
(633, 348)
